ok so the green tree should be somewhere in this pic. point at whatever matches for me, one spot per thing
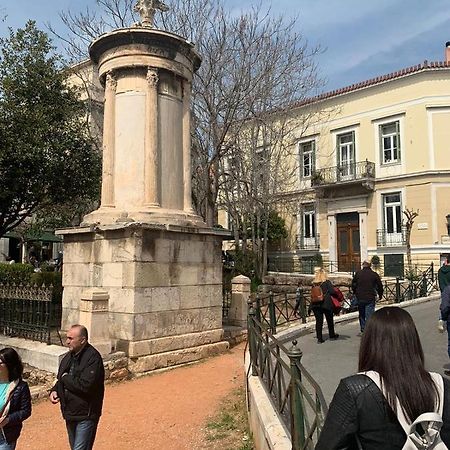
(47, 158)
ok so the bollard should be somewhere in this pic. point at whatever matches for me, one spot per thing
(295, 397)
(252, 338)
(272, 315)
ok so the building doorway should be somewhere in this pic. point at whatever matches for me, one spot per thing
(348, 243)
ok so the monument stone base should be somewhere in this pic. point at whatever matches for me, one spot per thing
(163, 285)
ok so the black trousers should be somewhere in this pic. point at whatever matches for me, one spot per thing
(319, 313)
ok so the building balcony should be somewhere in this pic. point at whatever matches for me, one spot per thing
(389, 239)
(307, 243)
(345, 176)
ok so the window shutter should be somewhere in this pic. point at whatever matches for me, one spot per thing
(397, 129)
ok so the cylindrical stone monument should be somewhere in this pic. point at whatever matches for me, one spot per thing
(145, 251)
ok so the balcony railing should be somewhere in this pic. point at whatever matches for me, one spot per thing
(308, 243)
(391, 239)
(363, 170)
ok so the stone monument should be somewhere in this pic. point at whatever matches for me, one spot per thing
(143, 271)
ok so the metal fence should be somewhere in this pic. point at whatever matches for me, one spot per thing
(294, 393)
(226, 302)
(27, 311)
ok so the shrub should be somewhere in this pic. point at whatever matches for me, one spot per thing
(16, 273)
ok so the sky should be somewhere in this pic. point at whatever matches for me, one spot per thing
(360, 39)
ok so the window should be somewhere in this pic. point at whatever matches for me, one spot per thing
(307, 154)
(390, 142)
(309, 221)
(346, 154)
(392, 213)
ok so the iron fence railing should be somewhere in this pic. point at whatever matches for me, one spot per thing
(294, 393)
(307, 243)
(387, 238)
(363, 170)
(28, 312)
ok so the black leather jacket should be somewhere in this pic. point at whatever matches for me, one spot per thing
(19, 410)
(359, 408)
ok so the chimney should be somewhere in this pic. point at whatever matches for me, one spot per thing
(447, 52)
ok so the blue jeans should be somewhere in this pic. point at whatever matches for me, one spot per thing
(81, 434)
(4, 445)
(365, 311)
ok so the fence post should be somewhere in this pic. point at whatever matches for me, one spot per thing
(272, 315)
(397, 290)
(251, 337)
(240, 294)
(302, 304)
(295, 398)
(432, 271)
(424, 285)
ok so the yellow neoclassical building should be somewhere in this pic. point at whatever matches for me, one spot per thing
(384, 149)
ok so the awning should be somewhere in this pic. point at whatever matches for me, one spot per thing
(45, 236)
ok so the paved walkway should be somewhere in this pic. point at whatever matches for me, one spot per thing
(165, 411)
(333, 360)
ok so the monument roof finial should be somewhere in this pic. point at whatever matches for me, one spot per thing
(147, 10)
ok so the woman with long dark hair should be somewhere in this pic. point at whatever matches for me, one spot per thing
(363, 415)
(15, 398)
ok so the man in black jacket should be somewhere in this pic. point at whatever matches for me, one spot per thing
(80, 389)
(366, 284)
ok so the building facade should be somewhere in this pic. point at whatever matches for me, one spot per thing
(385, 149)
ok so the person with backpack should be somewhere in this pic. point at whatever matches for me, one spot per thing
(321, 304)
(393, 403)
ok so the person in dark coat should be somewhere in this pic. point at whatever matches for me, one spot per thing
(360, 415)
(15, 398)
(324, 308)
(80, 389)
(365, 285)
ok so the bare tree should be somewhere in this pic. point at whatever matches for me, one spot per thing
(253, 65)
(410, 215)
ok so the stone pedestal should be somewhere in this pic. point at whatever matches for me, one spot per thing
(164, 285)
(240, 294)
(94, 316)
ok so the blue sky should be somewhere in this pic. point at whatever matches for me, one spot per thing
(361, 38)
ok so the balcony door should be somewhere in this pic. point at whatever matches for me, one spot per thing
(392, 204)
(346, 156)
(348, 243)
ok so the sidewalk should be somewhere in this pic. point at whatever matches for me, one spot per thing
(164, 411)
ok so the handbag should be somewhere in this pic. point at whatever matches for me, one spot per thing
(337, 298)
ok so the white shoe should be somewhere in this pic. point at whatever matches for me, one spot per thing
(441, 326)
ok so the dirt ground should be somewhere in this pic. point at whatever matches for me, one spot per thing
(165, 411)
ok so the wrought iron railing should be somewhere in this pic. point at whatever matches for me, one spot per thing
(294, 393)
(415, 284)
(308, 243)
(363, 170)
(28, 312)
(387, 238)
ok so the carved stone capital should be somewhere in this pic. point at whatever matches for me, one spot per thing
(152, 77)
(111, 82)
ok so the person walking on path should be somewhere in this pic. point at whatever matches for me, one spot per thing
(444, 286)
(375, 408)
(365, 285)
(15, 398)
(80, 389)
(323, 305)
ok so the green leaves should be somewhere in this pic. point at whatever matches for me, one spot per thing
(47, 158)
